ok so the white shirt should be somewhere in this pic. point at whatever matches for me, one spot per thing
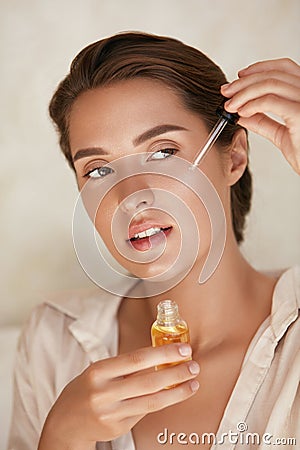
(63, 336)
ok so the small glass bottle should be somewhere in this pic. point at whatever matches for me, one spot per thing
(169, 327)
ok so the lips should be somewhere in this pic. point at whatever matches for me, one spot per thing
(144, 235)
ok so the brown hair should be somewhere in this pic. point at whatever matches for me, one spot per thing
(190, 73)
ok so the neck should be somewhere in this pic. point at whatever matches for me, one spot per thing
(235, 295)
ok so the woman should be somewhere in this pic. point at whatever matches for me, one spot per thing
(85, 375)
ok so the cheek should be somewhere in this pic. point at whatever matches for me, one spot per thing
(200, 215)
(104, 217)
(214, 167)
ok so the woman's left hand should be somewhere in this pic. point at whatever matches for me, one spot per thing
(269, 87)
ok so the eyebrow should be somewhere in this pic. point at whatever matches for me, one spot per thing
(89, 152)
(156, 131)
(153, 132)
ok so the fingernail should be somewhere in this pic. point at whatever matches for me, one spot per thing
(230, 106)
(185, 350)
(194, 367)
(225, 86)
(194, 385)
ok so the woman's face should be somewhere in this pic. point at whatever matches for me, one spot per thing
(142, 116)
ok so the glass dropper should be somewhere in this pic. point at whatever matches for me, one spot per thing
(224, 118)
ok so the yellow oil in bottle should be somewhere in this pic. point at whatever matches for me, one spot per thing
(168, 328)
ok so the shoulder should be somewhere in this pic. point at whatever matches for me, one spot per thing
(285, 315)
(286, 296)
(288, 284)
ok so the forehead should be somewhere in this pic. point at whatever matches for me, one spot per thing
(123, 110)
(129, 95)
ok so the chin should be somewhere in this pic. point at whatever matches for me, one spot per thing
(172, 266)
(156, 270)
(168, 272)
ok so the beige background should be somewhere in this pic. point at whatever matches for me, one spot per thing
(38, 39)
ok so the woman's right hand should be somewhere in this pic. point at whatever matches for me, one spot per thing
(112, 395)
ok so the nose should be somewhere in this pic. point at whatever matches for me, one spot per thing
(135, 196)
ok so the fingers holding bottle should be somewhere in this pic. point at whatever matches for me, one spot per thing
(137, 395)
(141, 359)
(142, 384)
(112, 395)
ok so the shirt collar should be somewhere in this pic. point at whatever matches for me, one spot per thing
(90, 308)
(286, 302)
(93, 312)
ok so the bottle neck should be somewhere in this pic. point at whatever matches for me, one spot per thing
(167, 313)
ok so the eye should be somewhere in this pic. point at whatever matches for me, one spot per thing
(162, 154)
(99, 172)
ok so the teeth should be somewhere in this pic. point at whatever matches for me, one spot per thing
(152, 231)
(147, 233)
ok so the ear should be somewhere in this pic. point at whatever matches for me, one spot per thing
(238, 157)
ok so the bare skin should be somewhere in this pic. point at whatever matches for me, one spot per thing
(124, 393)
(221, 330)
